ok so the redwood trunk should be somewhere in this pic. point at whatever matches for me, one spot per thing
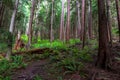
(118, 16)
(109, 21)
(51, 27)
(2, 8)
(68, 21)
(103, 60)
(83, 23)
(30, 23)
(10, 35)
(62, 22)
(90, 20)
(79, 22)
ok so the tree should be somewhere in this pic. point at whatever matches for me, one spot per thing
(68, 21)
(90, 19)
(2, 8)
(103, 60)
(118, 16)
(83, 22)
(78, 15)
(30, 23)
(51, 27)
(9, 52)
(109, 21)
(62, 22)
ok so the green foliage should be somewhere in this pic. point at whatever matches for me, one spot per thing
(85, 54)
(6, 67)
(1, 57)
(17, 62)
(57, 44)
(94, 44)
(8, 3)
(37, 78)
(24, 38)
(59, 78)
(47, 44)
(35, 57)
(3, 39)
(71, 64)
(5, 78)
(45, 55)
(94, 7)
(3, 47)
(115, 31)
(3, 35)
(56, 56)
(73, 41)
(82, 55)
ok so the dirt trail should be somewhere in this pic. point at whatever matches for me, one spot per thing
(33, 69)
(40, 68)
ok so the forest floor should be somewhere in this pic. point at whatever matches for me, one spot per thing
(44, 67)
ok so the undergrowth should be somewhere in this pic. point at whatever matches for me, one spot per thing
(70, 60)
(6, 66)
(67, 59)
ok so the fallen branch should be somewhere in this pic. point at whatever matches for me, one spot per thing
(34, 51)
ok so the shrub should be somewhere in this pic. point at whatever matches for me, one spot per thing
(71, 64)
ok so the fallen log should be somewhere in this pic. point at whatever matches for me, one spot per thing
(34, 51)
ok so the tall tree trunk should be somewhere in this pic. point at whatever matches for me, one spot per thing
(109, 21)
(36, 22)
(76, 33)
(83, 22)
(2, 8)
(62, 22)
(118, 16)
(79, 22)
(10, 35)
(90, 20)
(103, 60)
(30, 23)
(51, 27)
(68, 21)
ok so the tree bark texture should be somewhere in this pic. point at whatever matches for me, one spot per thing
(109, 21)
(83, 22)
(62, 22)
(68, 21)
(51, 27)
(90, 19)
(104, 52)
(79, 22)
(13, 17)
(11, 29)
(118, 16)
(30, 23)
(2, 8)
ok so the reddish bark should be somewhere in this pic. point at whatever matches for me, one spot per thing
(90, 20)
(78, 15)
(109, 21)
(30, 22)
(68, 21)
(35, 51)
(2, 8)
(103, 60)
(118, 16)
(62, 22)
(83, 23)
(19, 44)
